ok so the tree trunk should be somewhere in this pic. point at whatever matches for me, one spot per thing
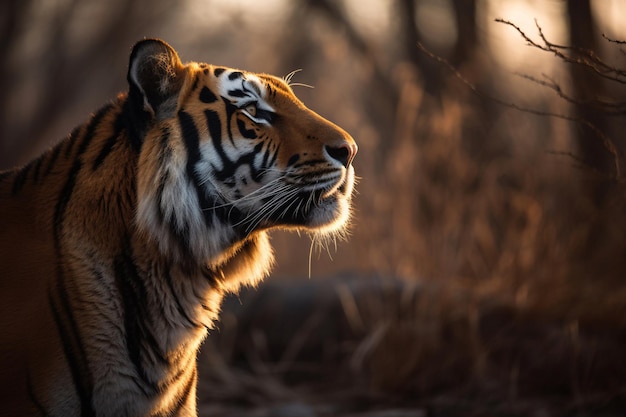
(588, 86)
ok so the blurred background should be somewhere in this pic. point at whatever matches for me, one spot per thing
(486, 269)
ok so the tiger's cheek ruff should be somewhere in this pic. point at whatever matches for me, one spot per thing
(180, 204)
(174, 207)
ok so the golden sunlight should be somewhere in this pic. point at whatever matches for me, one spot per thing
(610, 15)
(505, 44)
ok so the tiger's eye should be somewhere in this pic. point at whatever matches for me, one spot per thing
(251, 109)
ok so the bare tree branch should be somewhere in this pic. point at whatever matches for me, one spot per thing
(607, 107)
(617, 41)
(584, 57)
(607, 142)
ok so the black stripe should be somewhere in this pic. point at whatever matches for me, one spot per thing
(134, 296)
(218, 71)
(207, 96)
(312, 162)
(214, 124)
(294, 158)
(91, 129)
(136, 118)
(191, 139)
(274, 157)
(38, 164)
(139, 338)
(229, 167)
(73, 349)
(230, 110)
(124, 275)
(165, 151)
(62, 202)
(209, 275)
(245, 132)
(20, 178)
(71, 140)
(193, 379)
(183, 365)
(68, 188)
(179, 306)
(266, 115)
(159, 196)
(53, 156)
(257, 174)
(22, 174)
(163, 160)
(234, 75)
(195, 81)
(118, 125)
(183, 396)
(215, 131)
(237, 93)
(266, 155)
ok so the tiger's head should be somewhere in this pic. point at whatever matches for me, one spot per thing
(227, 154)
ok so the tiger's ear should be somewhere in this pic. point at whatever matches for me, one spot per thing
(156, 74)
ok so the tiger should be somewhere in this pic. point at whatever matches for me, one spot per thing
(118, 244)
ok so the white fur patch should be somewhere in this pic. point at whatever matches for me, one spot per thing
(251, 86)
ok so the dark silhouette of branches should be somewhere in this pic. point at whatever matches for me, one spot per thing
(617, 41)
(588, 105)
(585, 58)
(609, 108)
(573, 55)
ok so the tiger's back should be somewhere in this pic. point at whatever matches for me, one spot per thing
(118, 244)
(38, 204)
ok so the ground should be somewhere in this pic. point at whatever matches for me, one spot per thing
(380, 347)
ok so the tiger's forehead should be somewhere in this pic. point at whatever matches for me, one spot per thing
(242, 87)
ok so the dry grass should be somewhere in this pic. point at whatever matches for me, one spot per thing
(358, 345)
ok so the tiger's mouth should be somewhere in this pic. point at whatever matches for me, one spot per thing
(325, 184)
(313, 202)
(331, 208)
(340, 187)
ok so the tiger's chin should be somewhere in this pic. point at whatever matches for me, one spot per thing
(330, 215)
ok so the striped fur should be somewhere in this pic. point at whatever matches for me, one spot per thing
(118, 244)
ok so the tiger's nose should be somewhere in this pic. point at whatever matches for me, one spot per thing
(343, 153)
